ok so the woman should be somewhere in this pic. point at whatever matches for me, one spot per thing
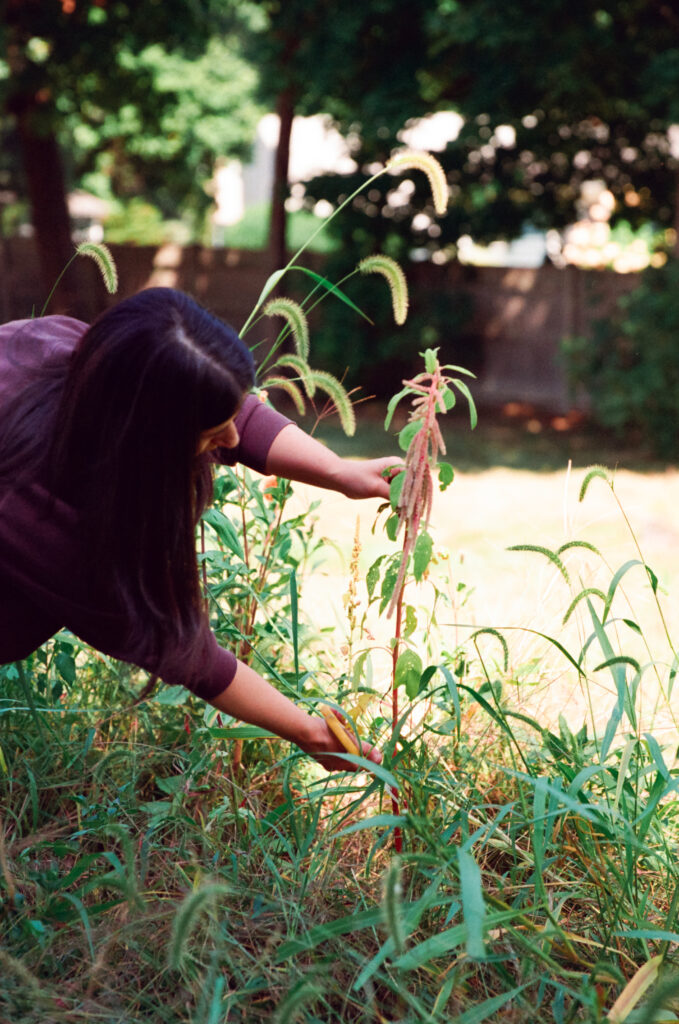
(106, 438)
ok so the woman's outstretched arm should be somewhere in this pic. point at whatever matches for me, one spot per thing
(251, 699)
(297, 456)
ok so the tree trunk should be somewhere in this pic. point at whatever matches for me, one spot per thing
(285, 109)
(47, 195)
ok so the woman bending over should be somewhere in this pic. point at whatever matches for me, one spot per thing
(107, 435)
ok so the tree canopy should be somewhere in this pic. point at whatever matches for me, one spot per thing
(89, 85)
(552, 95)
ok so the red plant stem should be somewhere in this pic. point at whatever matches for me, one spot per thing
(398, 837)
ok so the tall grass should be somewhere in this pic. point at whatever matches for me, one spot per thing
(143, 877)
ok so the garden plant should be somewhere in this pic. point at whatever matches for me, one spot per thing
(159, 861)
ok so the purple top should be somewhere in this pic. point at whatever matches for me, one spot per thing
(42, 585)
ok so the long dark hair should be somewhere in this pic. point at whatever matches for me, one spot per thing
(146, 379)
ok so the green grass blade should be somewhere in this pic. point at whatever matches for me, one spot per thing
(332, 289)
(294, 612)
(473, 903)
(489, 1007)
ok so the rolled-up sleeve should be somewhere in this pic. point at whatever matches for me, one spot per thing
(257, 425)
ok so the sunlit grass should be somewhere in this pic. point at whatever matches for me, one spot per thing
(145, 876)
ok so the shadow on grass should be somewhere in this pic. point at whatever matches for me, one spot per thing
(527, 440)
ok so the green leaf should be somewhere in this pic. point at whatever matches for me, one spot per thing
(332, 288)
(410, 622)
(377, 821)
(269, 286)
(389, 582)
(473, 415)
(408, 672)
(295, 620)
(373, 575)
(473, 904)
(395, 488)
(391, 527)
(426, 676)
(446, 475)
(391, 407)
(225, 530)
(361, 665)
(430, 360)
(422, 553)
(449, 399)
(319, 935)
(171, 696)
(65, 666)
(489, 1007)
(406, 435)
(240, 732)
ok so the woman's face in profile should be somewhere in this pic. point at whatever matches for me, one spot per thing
(224, 435)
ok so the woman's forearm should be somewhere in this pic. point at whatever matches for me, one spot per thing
(252, 699)
(297, 456)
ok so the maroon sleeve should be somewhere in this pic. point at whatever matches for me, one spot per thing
(257, 425)
(44, 587)
(210, 674)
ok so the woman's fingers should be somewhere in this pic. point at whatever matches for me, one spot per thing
(341, 739)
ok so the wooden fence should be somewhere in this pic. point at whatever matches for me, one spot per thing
(519, 316)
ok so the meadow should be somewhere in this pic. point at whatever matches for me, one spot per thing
(513, 858)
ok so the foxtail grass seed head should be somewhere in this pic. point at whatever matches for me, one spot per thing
(413, 160)
(392, 904)
(186, 920)
(290, 388)
(101, 254)
(395, 278)
(296, 320)
(301, 368)
(339, 397)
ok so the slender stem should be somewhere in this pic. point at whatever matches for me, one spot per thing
(309, 240)
(56, 284)
(398, 837)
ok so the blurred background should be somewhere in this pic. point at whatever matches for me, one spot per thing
(204, 140)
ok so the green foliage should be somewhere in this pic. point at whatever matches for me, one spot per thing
(138, 117)
(629, 368)
(542, 112)
(129, 842)
(378, 355)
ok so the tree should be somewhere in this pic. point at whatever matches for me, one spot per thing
(313, 60)
(90, 89)
(552, 94)
(589, 90)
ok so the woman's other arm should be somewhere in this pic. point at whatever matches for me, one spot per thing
(250, 698)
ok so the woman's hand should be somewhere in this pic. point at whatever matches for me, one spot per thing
(369, 478)
(296, 456)
(252, 699)
(323, 743)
